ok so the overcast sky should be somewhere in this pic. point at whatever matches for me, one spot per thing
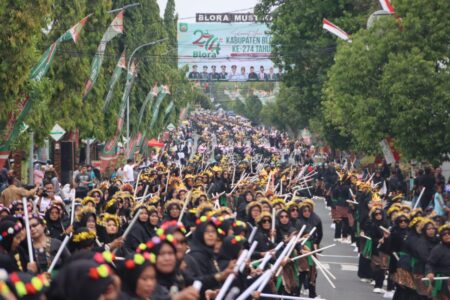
(188, 8)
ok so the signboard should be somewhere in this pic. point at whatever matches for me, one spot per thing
(229, 18)
(57, 132)
(171, 127)
(226, 52)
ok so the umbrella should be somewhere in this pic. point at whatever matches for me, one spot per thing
(155, 143)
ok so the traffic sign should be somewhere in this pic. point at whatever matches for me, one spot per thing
(57, 132)
(171, 127)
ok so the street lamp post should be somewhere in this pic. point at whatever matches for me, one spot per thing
(128, 70)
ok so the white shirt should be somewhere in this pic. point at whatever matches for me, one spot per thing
(45, 203)
(128, 173)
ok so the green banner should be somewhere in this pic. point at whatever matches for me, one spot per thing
(121, 64)
(114, 29)
(158, 102)
(148, 99)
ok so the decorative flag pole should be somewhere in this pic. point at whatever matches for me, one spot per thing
(387, 6)
(327, 25)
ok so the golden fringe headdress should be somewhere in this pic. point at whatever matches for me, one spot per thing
(202, 208)
(106, 217)
(424, 222)
(85, 210)
(86, 200)
(173, 202)
(95, 191)
(264, 215)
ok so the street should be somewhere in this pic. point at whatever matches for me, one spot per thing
(343, 263)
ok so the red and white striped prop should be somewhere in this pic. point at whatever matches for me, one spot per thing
(327, 25)
(387, 6)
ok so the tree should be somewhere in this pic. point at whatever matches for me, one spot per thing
(391, 82)
(305, 51)
(19, 49)
(170, 24)
(71, 68)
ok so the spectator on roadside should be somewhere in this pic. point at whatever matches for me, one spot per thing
(428, 182)
(12, 192)
(47, 197)
(82, 182)
(439, 202)
(440, 179)
(38, 174)
(128, 171)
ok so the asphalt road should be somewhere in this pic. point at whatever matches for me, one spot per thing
(343, 263)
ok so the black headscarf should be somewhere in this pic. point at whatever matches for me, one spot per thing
(75, 282)
(130, 276)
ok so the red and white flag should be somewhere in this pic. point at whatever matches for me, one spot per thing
(327, 25)
(387, 6)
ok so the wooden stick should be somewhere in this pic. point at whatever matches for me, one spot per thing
(137, 183)
(230, 278)
(312, 252)
(252, 235)
(420, 197)
(255, 285)
(273, 296)
(435, 278)
(27, 228)
(290, 248)
(269, 255)
(58, 254)
(248, 256)
(167, 185)
(268, 181)
(317, 262)
(273, 224)
(133, 221)
(384, 229)
(186, 202)
(72, 211)
(325, 275)
(366, 237)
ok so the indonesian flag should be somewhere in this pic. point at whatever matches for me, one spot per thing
(387, 6)
(327, 25)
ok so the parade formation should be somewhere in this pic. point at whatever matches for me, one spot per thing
(225, 210)
(224, 150)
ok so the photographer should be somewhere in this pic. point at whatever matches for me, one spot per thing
(47, 197)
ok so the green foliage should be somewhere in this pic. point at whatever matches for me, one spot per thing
(170, 24)
(19, 40)
(306, 51)
(388, 82)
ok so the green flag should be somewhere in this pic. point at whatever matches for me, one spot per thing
(114, 29)
(109, 150)
(121, 64)
(169, 108)
(45, 61)
(162, 94)
(148, 99)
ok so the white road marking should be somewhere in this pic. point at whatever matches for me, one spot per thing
(349, 267)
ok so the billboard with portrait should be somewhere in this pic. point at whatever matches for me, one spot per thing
(226, 52)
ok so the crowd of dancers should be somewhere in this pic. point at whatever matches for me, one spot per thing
(224, 211)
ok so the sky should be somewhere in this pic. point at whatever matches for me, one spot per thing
(188, 8)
